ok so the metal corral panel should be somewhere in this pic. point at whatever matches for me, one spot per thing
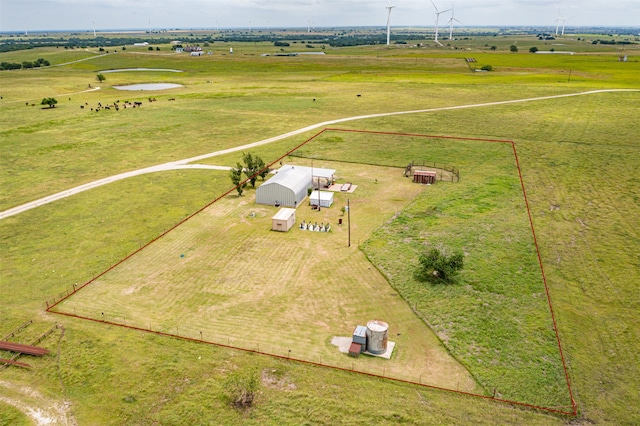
(360, 335)
(424, 176)
(377, 332)
(283, 220)
(287, 188)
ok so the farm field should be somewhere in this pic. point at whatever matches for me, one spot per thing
(102, 374)
(227, 275)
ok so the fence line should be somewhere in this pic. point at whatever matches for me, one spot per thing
(69, 292)
(187, 334)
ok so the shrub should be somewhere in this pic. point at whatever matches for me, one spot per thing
(242, 387)
(437, 267)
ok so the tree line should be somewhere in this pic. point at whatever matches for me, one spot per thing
(40, 62)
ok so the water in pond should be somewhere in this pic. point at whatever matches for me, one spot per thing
(139, 69)
(148, 86)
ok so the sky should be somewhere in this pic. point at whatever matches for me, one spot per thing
(40, 15)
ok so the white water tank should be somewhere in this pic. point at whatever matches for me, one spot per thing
(377, 333)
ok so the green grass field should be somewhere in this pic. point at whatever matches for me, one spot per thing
(578, 157)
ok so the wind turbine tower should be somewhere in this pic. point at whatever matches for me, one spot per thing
(438, 13)
(451, 24)
(94, 27)
(560, 19)
(389, 7)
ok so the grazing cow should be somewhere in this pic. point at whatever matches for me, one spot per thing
(137, 103)
(81, 106)
(358, 95)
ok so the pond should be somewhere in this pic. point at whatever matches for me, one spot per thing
(139, 69)
(148, 86)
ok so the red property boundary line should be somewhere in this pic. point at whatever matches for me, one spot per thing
(573, 412)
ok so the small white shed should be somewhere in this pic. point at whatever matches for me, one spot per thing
(283, 220)
(324, 198)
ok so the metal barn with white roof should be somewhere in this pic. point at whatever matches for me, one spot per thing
(287, 188)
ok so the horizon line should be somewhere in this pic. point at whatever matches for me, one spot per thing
(323, 27)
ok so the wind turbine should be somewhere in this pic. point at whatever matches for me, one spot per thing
(389, 7)
(558, 21)
(94, 27)
(451, 24)
(438, 13)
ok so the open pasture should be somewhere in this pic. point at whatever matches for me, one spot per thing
(225, 98)
(225, 275)
(586, 225)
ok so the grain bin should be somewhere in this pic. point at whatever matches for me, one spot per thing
(377, 332)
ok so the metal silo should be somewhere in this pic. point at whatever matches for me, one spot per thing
(377, 332)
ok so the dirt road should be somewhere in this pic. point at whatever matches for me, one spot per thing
(185, 164)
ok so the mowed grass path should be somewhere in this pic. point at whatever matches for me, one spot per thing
(226, 274)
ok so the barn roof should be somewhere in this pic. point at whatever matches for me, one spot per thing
(320, 172)
(323, 195)
(295, 179)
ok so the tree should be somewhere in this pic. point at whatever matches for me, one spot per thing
(101, 77)
(533, 49)
(487, 68)
(437, 267)
(253, 167)
(49, 101)
(513, 48)
(236, 178)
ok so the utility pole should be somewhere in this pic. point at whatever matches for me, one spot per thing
(349, 220)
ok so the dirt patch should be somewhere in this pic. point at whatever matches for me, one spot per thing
(40, 409)
(273, 380)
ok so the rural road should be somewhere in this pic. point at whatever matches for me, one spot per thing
(184, 164)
